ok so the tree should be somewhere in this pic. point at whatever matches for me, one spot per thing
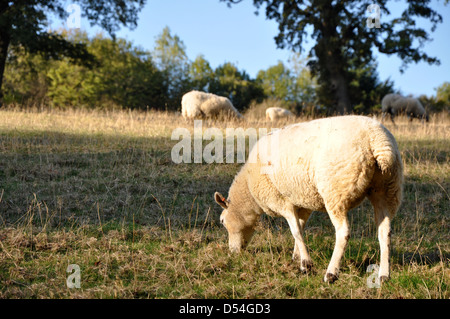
(171, 58)
(305, 84)
(23, 23)
(200, 73)
(277, 82)
(342, 36)
(127, 74)
(124, 76)
(366, 89)
(25, 77)
(228, 81)
(443, 93)
(292, 85)
(440, 102)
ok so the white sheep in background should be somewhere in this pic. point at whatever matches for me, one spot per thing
(395, 104)
(277, 113)
(328, 165)
(196, 104)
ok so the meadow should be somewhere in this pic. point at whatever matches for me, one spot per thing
(99, 189)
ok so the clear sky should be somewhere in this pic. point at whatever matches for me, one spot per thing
(239, 36)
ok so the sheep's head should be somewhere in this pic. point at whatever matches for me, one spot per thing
(239, 234)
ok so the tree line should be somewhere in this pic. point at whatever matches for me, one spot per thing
(121, 75)
(69, 69)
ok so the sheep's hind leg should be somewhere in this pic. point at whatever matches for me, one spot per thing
(340, 223)
(383, 221)
(296, 220)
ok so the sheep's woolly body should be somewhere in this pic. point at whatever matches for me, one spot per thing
(277, 113)
(409, 105)
(196, 104)
(388, 100)
(395, 104)
(328, 165)
(321, 163)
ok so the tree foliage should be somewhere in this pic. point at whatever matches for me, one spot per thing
(366, 89)
(440, 102)
(344, 42)
(182, 75)
(237, 85)
(124, 76)
(25, 78)
(127, 76)
(293, 84)
(277, 82)
(170, 57)
(443, 93)
(200, 73)
(24, 24)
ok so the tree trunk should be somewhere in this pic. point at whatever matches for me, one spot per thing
(331, 60)
(4, 44)
(339, 87)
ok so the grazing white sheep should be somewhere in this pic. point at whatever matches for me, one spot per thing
(395, 104)
(328, 165)
(277, 113)
(196, 104)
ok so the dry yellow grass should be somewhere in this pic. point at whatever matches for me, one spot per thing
(99, 189)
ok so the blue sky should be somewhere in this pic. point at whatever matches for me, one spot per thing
(239, 36)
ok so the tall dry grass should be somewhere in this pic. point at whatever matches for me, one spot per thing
(99, 189)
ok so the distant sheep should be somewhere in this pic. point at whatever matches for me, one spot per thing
(196, 104)
(277, 113)
(328, 165)
(395, 104)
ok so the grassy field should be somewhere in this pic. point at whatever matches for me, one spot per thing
(99, 190)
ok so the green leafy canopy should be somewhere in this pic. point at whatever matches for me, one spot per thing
(24, 23)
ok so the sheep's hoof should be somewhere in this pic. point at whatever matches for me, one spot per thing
(330, 278)
(306, 266)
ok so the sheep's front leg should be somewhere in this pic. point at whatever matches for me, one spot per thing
(296, 223)
(392, 118)
(340, 223)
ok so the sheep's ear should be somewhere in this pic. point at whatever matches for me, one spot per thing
(221, 200)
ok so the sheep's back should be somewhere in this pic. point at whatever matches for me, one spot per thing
(318, 159)
(216, 105)
(191, 103)
(388, 101)
(274, 113)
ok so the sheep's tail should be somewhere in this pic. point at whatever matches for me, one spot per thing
(385, 150)
(388, 159)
